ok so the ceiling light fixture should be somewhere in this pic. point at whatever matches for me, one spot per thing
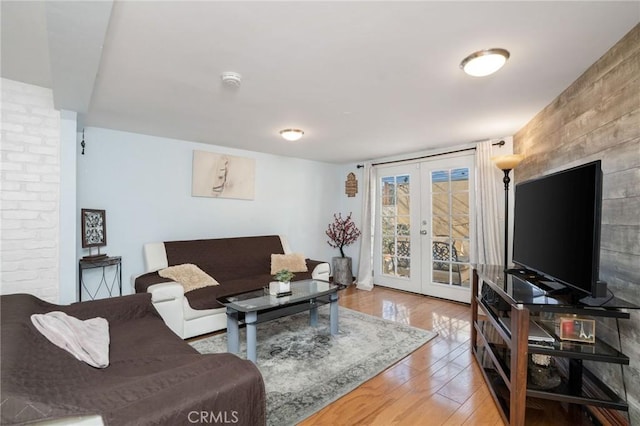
(484, 62)
(291, 134)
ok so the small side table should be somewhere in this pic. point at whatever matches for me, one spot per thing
(104, 263)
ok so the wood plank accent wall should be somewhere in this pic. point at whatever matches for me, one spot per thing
(598, 117)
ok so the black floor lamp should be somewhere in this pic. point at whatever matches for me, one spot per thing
(506, 163)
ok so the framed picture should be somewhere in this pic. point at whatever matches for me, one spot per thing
(222, 176)
(94, 228)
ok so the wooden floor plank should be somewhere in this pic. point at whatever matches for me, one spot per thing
(467, 410)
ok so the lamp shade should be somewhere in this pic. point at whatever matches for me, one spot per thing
(484, 62)
(291, 134)
(507, 162)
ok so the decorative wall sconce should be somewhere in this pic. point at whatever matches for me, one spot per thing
(351, 185)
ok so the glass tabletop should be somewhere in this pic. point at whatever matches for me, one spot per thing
(526, 292)
(258, 300)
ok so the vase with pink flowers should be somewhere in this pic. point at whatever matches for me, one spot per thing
(342, 232)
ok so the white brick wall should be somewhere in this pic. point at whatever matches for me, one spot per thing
(30, 191)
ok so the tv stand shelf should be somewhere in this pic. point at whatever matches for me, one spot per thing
(599, 351)
(503, 352)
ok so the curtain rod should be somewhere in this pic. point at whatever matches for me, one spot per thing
(428, 156)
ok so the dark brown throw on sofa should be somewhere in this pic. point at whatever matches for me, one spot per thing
(238, 264)
(154, 377)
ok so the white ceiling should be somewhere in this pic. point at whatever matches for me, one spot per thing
(363, 79)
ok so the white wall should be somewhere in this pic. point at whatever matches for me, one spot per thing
(144, 184)
(30, 191)
(351, 205)
(69, 215)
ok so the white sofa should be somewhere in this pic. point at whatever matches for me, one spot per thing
(170, 301)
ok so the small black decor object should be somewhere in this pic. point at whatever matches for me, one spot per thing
(542, 372)
(94, 230)
(82, 144)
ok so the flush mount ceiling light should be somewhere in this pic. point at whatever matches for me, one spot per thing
(291, 134)
(484, 62)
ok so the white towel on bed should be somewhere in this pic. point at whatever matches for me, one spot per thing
(87, 340)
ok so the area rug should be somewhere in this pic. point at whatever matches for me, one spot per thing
(305, 368)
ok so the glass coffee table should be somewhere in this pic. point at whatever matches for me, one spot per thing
(255, 307)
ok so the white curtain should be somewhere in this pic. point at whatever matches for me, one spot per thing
(365, 266)
(488, 244)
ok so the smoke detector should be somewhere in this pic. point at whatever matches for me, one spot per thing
(231, 78)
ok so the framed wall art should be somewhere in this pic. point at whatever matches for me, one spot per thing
(94, 228)
(223, 176)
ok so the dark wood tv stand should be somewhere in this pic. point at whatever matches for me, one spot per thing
(503, 353)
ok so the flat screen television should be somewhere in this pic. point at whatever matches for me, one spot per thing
(557, 227)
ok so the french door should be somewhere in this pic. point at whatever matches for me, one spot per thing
(424, 227)
(397, 232)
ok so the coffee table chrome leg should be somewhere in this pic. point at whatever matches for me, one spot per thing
(333, 313)
(313, 313)
(233, 334)
(250, 320)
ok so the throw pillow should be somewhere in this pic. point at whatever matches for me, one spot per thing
(294, 262)
(190, 276)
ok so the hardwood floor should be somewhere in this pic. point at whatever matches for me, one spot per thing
(438, 384)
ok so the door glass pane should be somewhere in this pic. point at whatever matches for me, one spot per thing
(403, 225)
(466, 277)
(404, 247)
(388, 245)
(388, 225)
(440, 226)
(404, 267)
(450, 226)
(460, 226)
(460, 203)
(396, 225)
(460, 179)
(441, 273)
(402, 206)
(441, 251)
(403, 186)
(388, 189)
(462, 250)
(388, 266)
(440, 203)
(440, 181)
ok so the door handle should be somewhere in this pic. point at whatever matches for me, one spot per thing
(423, 232)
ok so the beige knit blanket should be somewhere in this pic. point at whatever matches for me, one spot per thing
(86, 340)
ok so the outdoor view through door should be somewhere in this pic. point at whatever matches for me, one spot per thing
(424, 229)
(450, 226)
(396, 222)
